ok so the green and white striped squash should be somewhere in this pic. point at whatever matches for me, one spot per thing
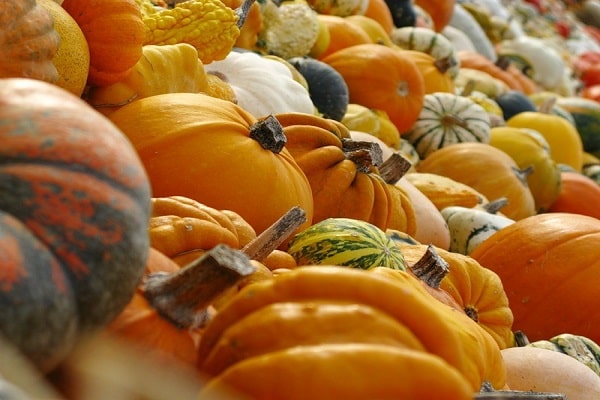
(428, 41)
(586, 115)
(469, 227)
(579, 347)
(446, 119)
(346, 242)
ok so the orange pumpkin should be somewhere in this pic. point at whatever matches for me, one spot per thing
(439, 11)
(342, 34)
(382, 78)
(548, 264)
(436, 72)
(252, 26)
(218, 154)
(486, 169)
(115, 34)
(380, 12)
(578, 194)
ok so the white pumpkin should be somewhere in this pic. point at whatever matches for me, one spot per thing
(262, 85)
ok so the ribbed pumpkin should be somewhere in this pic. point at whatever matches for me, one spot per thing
(436, 73)
(488, 170)
(214, 154)
(476, 289)
(115, 35)
(345, 242)
(446, 119)
(441, 330)
(383, 78)
(548, 265)
(74, 219)
(345, 181)
(28, 41)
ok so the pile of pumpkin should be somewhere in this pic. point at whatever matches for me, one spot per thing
(307, 198)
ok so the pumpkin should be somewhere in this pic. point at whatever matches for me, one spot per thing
(342, 8)
(75, 223)
(376, 32)
(162, 69)
(380, 11)
(530, 149)
(488, 170)
(343, 174)
(345, 242)
(578, 194)
(170, 307)
(298, 372)
(27, 22)
(444, 191)
(251, 27)
(478, 291)
(326, 87)
(359, 118)
(262, 85)
(542, 370)
(547, 263)
(383, 78)
(566, 146)
(579, 347)
(342, 34)
(440, 12)
(436, 73)
(403, 297)
(446, 119)
(165, 147)
(115, 35)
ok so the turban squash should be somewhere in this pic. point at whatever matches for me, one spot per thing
(73, 220)
(214, 154)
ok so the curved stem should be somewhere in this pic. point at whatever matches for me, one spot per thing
(268, 132)
(431, 268)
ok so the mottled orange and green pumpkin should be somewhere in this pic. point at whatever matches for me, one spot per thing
(74, 212)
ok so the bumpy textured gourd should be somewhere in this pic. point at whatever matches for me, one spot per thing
(209, 25)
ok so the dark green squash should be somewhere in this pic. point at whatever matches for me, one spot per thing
(513, 102)
(327, 88)
(403, 12)
(74, 215)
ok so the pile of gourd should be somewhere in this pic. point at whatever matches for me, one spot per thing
(306, 198)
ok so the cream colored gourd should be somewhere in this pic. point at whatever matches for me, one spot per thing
(542, 370)
(262, 85)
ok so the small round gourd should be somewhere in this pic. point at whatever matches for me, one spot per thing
(446, 119)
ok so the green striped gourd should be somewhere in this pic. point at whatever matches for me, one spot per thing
(579, 347)
(428, 41)
(346, 242)
(446, 119)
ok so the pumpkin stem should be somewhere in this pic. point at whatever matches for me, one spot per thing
(364, 154)
(444, 64)
(394, 168)
(453, 120)
(503, 62)
(431, 268)
(270, 239)
(242, 12)
(522, 174)
(268, 132)
(468, 88)
(494, 206)
(521, 339)
(183, 296)
(547, 105)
